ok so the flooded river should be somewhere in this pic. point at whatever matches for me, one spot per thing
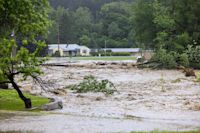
(145, 100)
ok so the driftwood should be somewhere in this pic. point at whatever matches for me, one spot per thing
(188, 71)
(148, 64)
(56, 64)
(90, 65)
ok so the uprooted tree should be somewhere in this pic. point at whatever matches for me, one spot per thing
(21, 21)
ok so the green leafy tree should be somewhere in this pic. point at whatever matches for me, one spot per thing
(82, 22)
(165, 24)
(56, 16)
(85, 40)
(67, 34)
(115, 17)
(114, 30)
(26, 20)
(143, 27)
(176, 23)
(69, 26)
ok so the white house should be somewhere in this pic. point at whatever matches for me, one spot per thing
(68, 50)
(84, 51)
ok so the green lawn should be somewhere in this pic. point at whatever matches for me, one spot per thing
(107, 58)
(9, 100)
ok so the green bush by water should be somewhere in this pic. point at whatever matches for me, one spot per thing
(194, 56)
(170, 60)
(166, 60)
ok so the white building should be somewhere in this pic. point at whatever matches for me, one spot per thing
(68, 50)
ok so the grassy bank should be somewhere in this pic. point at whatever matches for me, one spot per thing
(9, 100)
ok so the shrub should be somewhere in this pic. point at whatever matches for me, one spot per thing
(194, 56)
(91, 84)
(183, 60)
(94, 53)
(166, 60)
(171, 59)
(105, 53)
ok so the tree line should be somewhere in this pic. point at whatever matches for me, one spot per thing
(168, 24)
(149, 24)
(109, 24)
(170, 27)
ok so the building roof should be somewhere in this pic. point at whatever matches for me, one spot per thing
(132, 50)
(66, 47)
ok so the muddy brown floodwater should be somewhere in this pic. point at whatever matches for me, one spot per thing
(145, 100)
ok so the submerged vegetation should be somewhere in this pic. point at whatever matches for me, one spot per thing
(91, 84)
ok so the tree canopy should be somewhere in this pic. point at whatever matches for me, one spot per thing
(21, 22)
(110, 23)
(149, 24)
(171, 28)
(167, 24)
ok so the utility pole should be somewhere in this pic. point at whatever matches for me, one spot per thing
(58, 39)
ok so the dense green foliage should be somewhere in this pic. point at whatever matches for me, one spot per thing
(149, 24)
(166, 60)
(21, 21)
(194, 56)
(108, 25)
(91, 84)
(170, 59)
(169, 27)
(144, 29)
(9, 100)
(93, 5)
(27, 21)
(169, 24)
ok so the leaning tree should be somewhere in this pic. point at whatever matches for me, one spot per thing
(21, 21)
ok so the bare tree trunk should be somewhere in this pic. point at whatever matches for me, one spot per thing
(27, 101)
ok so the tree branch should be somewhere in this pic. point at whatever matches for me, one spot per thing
(15, 73)
(45, 85)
